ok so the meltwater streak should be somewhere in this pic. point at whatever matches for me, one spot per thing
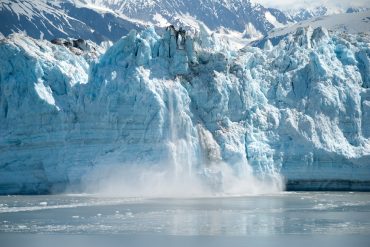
(193, 168)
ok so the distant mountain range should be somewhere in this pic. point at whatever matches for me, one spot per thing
(302, 14)
(345, 23)
(62, 19)
(230, 14)
(100, 20)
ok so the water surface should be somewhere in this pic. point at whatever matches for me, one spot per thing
(336, 216)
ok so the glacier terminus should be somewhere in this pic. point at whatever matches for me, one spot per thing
(185, 112)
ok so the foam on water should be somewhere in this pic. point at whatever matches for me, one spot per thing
(155, 181)
(65, 205)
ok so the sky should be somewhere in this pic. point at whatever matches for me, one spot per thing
(292, 4)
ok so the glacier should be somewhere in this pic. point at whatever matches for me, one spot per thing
(186, 108)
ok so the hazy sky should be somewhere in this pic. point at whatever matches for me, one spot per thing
(304, 3)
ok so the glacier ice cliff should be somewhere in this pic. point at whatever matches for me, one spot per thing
(300, 109)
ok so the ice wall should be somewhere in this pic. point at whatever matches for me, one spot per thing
(186, 105)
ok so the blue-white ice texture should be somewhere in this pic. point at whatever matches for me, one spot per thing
(300, 109)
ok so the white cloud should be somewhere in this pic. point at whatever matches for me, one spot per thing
(293, 4)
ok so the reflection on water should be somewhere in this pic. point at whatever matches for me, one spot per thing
(287, 213)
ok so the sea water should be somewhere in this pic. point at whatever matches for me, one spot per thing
(341, 218)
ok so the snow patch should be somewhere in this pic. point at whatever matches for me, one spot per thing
(160, 20)
(270, 18)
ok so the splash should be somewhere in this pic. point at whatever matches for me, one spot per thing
(154, 180)
(194, 166)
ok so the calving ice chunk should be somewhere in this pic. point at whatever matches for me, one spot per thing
(178, 112)
(44, 93)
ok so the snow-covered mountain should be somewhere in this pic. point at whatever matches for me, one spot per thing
(100, 20)
(63, 19)
(230, 121)
(351, 23)
(231, 14)
(297, 11)
(106, 19)
(302, 14)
